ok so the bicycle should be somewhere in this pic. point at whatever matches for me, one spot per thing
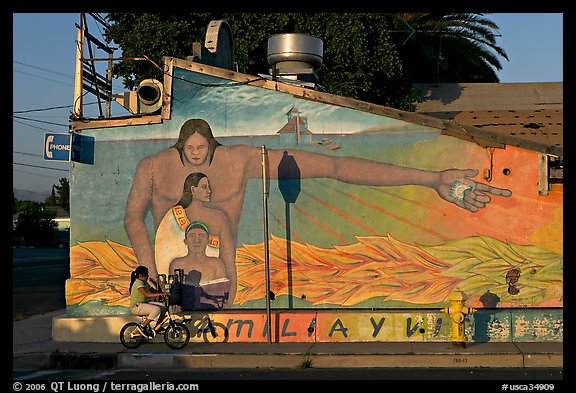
(176, 333)
(210, 331)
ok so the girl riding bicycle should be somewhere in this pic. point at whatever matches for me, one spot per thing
(140, 294)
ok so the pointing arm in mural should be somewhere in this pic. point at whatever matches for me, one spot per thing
(157, 184)
(452, 185)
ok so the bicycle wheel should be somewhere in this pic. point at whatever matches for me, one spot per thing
(130, 337)
(177, 335)
(215, 332)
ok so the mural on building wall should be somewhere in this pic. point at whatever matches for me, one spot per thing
(387, 214)
(158, 179)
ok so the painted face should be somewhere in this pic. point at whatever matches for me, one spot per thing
(202, 191)
(196, 239)
(196, 149)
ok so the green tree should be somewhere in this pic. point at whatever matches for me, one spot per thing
(36, 224)
(374, 57)
(359, 61)
(447, 48)
(15, 204)
(60, 195)
(52, 200)
(152, 35)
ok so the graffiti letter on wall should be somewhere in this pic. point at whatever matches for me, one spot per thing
(338, 326)
(311, 327)
(437, 327)
(411, 331)
(284, 328)
(240, 323)
(376, 327)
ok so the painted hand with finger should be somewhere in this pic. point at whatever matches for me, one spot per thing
(456, 186)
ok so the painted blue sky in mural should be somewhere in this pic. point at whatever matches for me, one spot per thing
(252, 111)
(255, 111)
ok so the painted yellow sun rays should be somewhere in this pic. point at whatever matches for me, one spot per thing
(100, 271)
(383, 269)
(374, 270)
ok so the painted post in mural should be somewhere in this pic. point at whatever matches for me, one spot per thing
(266, 252)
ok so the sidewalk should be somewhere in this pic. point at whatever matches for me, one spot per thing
(33, 347)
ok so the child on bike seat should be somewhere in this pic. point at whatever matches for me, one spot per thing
(140, 295)
(206, 274)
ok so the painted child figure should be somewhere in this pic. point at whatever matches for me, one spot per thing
(201, 271)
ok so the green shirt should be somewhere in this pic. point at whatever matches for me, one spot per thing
(135, 295)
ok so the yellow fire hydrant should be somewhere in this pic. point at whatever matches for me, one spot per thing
(458, 313)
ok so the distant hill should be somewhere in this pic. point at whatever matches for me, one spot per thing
(26, 195)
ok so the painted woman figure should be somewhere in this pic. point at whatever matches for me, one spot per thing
(170, 235)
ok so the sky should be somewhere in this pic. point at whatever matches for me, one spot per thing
(43, 60)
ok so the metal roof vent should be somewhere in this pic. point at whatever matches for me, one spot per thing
(295, 56)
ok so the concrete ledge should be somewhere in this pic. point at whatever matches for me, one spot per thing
(146, 360)
(135, 360)
(543, 360)
(209, 361)
(74, 347)
(240, 361)
(155, 360)
(104, 329)
(428, 361)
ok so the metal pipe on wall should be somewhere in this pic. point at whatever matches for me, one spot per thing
(266, 251)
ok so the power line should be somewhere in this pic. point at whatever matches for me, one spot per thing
(52, 72)
(46, 79)
(43, 109)
(28, 154)
(41, 167)
(44, 69)
(40, 121)
(50, 108)
(34, 155)
(36, 174)
(36, 128)
(55, 81)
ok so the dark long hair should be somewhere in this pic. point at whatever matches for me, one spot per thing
(192, 180)
(138, 271)
(191, 127)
